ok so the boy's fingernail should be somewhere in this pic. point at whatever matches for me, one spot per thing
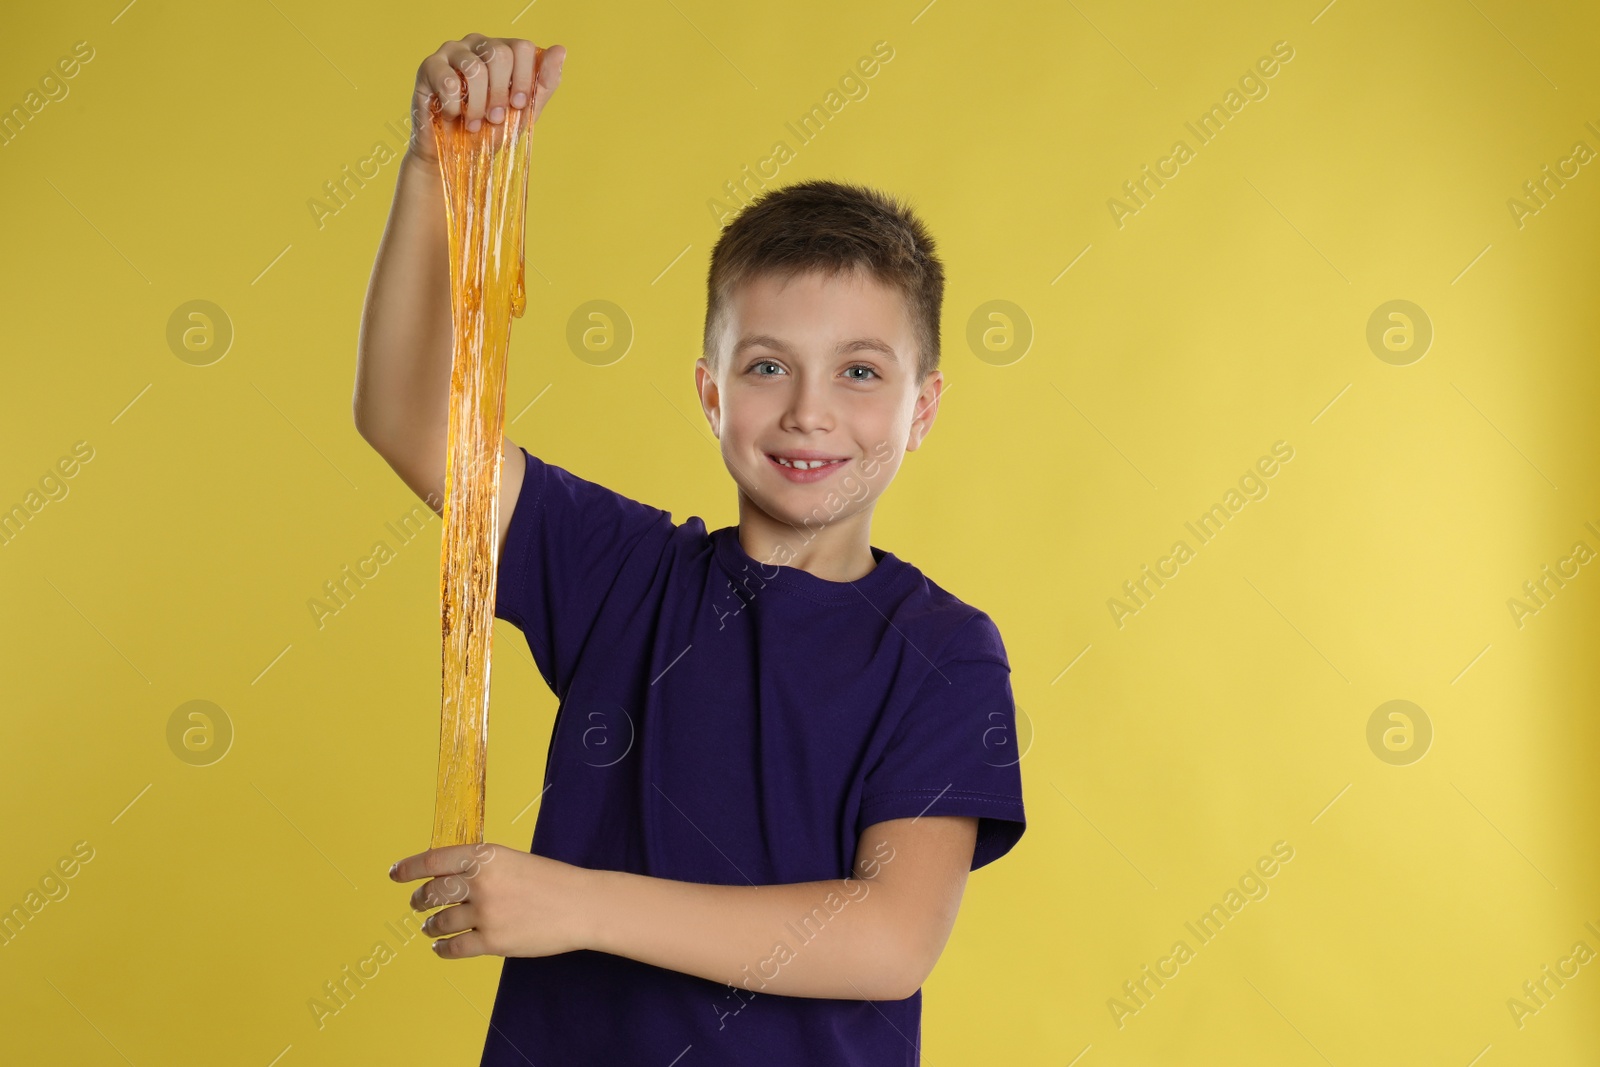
(519, 99)
(393, 867)
(496, 114)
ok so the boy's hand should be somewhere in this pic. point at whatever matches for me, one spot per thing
(476, 79)
(508, 902)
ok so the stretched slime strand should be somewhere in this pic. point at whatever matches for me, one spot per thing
(485, 176)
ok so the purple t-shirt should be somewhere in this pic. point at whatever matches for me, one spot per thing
(726, 721)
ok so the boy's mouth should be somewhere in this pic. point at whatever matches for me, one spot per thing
(805, 470)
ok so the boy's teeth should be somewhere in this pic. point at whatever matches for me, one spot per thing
(801, 464)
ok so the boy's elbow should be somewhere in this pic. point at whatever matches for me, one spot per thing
(360, 415)
(901, 971)
(903, 981)
(372, 416)
(912, 976)
(367, 423)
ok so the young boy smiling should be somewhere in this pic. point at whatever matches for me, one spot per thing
(778, 749)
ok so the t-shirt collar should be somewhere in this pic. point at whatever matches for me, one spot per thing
(750, 573)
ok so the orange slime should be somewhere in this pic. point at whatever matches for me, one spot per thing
(485, 176)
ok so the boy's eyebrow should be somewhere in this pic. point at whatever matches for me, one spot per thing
(854, 344)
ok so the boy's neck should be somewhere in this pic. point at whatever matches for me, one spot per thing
(840, 551)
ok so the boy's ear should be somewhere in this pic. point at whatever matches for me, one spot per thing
(705, 384)
(927, 406)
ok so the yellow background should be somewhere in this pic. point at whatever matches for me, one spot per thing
(1229, 313)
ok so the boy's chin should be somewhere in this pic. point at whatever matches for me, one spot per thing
(807, 508)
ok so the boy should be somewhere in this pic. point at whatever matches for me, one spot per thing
(778, 749)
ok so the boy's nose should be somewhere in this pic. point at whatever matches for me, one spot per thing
(808, 407)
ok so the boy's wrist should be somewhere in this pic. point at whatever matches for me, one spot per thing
(412, 161)
(592, 891)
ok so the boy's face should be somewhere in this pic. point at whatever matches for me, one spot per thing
(802, 371)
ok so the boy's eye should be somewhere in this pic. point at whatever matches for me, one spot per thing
(871, 372)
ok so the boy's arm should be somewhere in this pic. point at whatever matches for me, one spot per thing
(875, 936)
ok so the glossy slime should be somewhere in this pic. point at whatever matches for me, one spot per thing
(485, 175)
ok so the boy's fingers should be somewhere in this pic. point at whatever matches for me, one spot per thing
(437, 892)
(522, 56)
(451, 920)
(478, 77)
(497, 54)
(461, 946)
(451, 859)
(423, 100)
(549, 76)
(475, 72)
(440, 79)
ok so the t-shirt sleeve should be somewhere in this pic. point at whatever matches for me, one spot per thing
(956, 750)
(572, 545)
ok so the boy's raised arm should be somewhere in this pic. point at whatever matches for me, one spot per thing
(402, 387)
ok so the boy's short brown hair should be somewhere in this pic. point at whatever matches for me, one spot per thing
(834, 228)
